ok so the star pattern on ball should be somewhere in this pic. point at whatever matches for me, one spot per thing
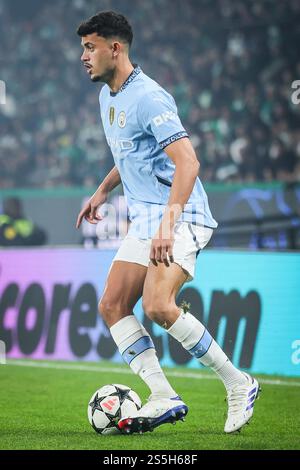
(95, 404)
(108, 405)
(122, 394)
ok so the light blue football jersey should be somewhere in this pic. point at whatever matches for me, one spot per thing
(140, 121)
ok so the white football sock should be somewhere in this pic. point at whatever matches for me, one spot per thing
(197, 341)
(230, 375)
(137, 349)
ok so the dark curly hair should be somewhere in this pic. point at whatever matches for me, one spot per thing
(107, 24)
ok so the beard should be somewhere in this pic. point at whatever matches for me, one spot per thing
(105, 77)
(96, 78)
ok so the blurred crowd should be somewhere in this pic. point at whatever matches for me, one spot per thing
(229, 64)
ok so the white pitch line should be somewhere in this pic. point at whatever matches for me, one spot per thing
(119, 370)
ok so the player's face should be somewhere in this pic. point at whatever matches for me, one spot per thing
(97, 57)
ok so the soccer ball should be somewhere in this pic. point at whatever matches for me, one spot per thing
(109, 404)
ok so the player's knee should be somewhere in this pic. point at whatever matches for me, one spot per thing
(112, 311)
(108, 309)
(104, 308)
(157, 311)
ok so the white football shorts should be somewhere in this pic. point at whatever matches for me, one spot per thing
(189, 240)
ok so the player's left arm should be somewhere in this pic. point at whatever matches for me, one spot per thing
(187, 168)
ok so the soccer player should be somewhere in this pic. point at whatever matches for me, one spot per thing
(170, 224)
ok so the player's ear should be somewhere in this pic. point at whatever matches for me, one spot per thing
(116, 47)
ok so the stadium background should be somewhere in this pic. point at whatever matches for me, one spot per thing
(230, 66)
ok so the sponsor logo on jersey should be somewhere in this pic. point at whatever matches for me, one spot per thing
(119, 144)
(111, 115)
(164, 117)
(122, 119)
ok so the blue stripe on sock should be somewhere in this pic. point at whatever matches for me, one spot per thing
(202, 346)
(137, 348)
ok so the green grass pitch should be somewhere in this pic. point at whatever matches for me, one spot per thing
(44, 406)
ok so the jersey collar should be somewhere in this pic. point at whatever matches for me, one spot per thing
(137, 69)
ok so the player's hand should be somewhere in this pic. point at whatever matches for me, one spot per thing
(162, 250)
(89, 210)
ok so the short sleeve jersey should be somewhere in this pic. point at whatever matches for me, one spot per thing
(140, 121)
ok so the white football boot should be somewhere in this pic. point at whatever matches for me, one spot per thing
(155, 412)
(240, 400)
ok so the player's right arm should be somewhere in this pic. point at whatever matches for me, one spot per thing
(89, 211)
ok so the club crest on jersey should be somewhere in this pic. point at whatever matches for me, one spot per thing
(122, 119)
(111, 115)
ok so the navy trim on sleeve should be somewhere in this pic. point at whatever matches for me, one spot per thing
(172, 139)
(163, 181)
